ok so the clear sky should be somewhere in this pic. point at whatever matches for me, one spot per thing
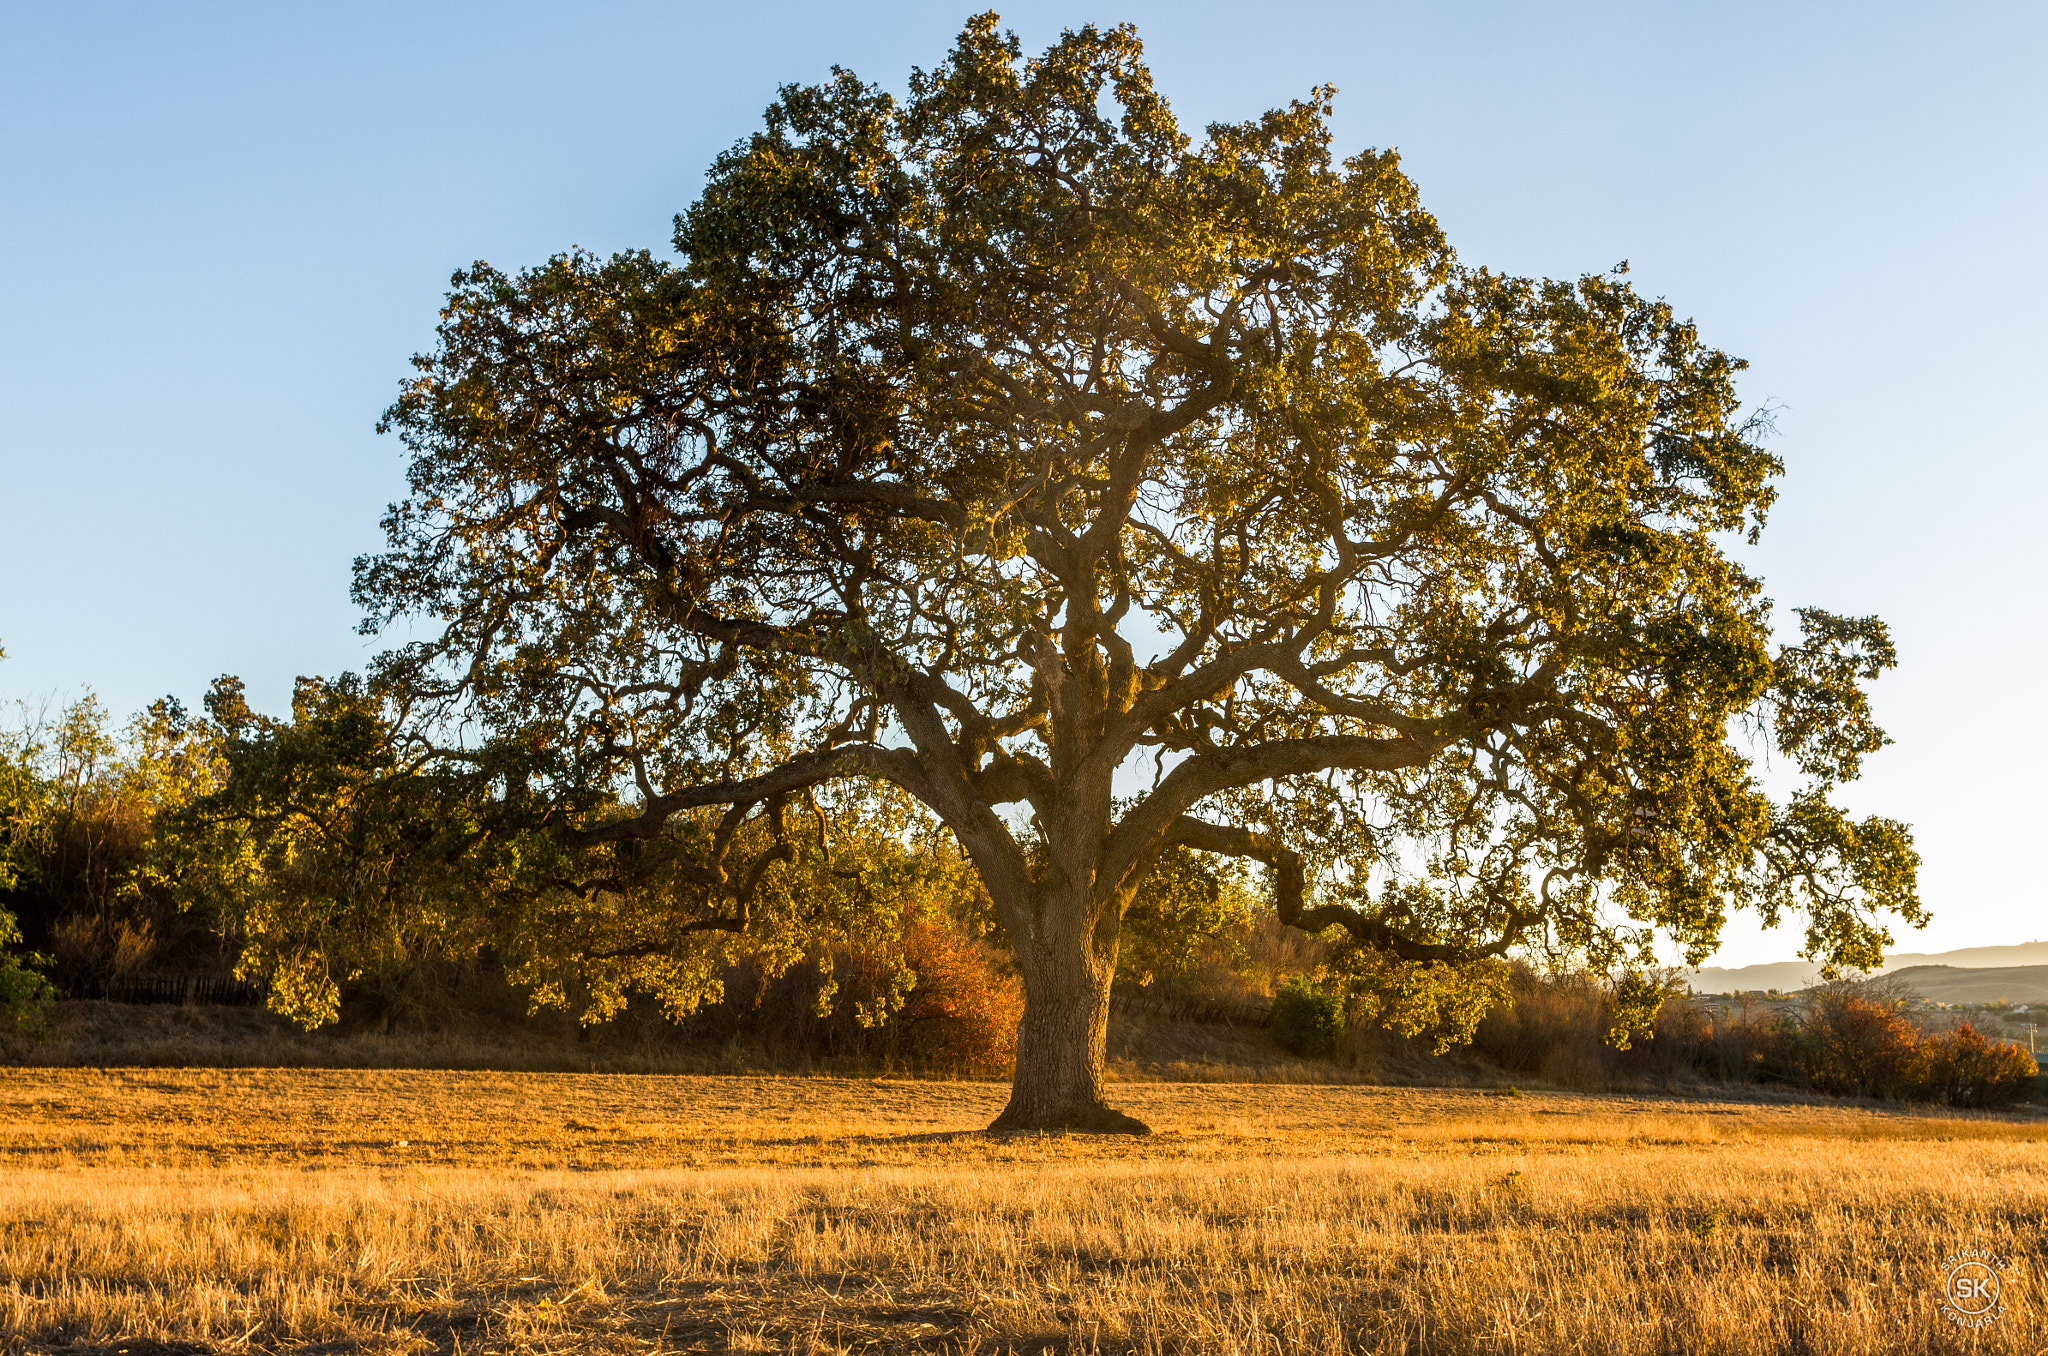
(226, 228)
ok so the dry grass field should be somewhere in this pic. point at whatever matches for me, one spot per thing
(161, 1211)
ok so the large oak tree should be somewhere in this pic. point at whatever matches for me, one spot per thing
(1117, 493)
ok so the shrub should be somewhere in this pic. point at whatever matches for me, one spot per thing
(25, 996)
(1306, 1020)
(931, 997)
(25, 999)
(1963, 1067)
(1853, 1041)
(962, 1012)
(1556, 1027)
(1854, 1038)
(1550, 1026)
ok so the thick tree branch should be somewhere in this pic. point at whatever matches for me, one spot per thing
(1288, 898)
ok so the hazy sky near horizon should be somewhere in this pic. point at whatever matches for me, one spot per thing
(228, 227)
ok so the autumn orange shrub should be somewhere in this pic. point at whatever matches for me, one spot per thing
(1963, 1067)
(1849, 1043)
(1854, 1041)
(1850, 1039)
(930, 997)
(962, 1013)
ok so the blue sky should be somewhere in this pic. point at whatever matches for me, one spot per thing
(226, 228)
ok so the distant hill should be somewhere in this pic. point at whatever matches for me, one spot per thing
(1972, 957)
(1957, 984)
(1784, 976)
(1788, 975)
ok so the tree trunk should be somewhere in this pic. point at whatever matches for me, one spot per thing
(1068, 967)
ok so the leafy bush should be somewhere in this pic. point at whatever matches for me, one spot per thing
(1963, 1067)
(1307, 1020)
(932, 997)
(1853, 1040)
(25, 998)
(962, 1012)
(25, 995)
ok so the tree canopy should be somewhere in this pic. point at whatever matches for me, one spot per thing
(1116, 492)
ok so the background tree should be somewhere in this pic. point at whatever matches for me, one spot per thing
(24, 993)
(80, 868)
(1112, 492)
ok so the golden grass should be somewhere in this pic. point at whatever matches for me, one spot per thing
(305, 1210)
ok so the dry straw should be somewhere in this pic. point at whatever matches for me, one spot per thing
(280, 1210)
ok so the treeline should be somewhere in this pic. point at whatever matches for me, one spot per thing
(316, 858)
(341, 872)
(84, 899)
(346, 874)
(1847, 1039)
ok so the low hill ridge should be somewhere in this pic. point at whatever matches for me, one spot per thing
(1978, 984)
(1788, 975)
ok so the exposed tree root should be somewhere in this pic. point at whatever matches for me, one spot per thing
(1091, 1119)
